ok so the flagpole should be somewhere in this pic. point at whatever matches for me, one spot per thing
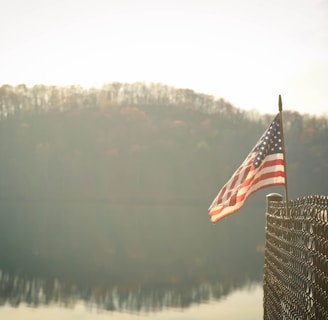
(283, 151)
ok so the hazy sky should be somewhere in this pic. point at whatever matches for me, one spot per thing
(246, 51)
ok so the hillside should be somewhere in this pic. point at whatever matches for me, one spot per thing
(137, 143)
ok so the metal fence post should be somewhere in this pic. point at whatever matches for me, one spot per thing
(272, 197)
(272, 308)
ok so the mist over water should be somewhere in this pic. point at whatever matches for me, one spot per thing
(137, 259)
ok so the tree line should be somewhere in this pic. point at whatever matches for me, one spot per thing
(138, 142)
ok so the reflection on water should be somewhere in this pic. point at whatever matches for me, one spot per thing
(15, 290)
(245, 304)
(142, 259)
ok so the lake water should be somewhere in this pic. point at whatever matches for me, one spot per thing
(91, 260)
(243, 304)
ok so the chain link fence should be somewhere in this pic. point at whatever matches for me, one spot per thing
(296, 259)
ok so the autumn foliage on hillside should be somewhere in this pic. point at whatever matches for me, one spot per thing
(140, 143)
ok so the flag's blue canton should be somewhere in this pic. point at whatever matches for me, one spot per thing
(270, 142)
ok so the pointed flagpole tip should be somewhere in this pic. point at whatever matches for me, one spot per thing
(280, 103)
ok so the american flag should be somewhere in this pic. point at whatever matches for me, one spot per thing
(263, 167)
